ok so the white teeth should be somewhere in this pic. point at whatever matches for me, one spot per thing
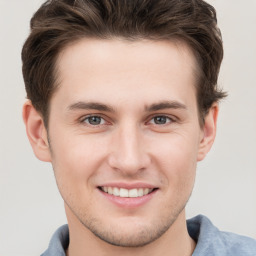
(116, 192)
(140, 192)
(123, 192)
(110, 191)
(146, 190)
(133, 192)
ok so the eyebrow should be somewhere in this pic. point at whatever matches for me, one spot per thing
(90, 105)
(165, 105)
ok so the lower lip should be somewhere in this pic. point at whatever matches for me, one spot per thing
(129, 202)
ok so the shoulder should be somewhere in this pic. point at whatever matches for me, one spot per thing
(211, 241)
(238, 245)
(59, 242)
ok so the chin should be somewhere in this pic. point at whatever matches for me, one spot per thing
(131, 238)
(131, 232)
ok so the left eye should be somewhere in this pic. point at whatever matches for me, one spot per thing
(160, 120)
(94, 120)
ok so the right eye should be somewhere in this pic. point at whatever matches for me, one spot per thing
(94, 120)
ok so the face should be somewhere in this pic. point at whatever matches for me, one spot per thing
(125, 137)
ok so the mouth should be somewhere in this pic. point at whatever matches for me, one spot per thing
(127, 193)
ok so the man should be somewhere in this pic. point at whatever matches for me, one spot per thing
(123, 101)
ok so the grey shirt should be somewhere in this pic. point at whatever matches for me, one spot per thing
(210, 241)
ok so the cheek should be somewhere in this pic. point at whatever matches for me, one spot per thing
(73, 167)
(177, 160)
(76, 158)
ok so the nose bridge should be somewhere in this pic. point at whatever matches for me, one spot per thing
(129, 154)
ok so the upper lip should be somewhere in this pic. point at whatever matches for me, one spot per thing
(127, 185)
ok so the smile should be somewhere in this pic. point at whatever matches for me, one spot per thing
(128, 193)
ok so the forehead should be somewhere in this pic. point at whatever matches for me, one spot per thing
(95, 69)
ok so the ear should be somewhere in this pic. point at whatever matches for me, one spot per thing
(36, 132)
(208, 132)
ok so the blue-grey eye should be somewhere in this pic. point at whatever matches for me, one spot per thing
(161, 119)
(94, 120)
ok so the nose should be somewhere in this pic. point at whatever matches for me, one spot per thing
(128, 151)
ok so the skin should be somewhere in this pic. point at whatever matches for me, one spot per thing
(125, 86)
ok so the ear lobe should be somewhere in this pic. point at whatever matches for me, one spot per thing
(36, 132)
(208, 132)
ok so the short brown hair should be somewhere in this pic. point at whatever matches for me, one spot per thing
(58, 23)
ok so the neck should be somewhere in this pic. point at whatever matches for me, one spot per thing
(175, 241)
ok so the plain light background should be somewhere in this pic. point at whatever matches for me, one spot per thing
(31, 208)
